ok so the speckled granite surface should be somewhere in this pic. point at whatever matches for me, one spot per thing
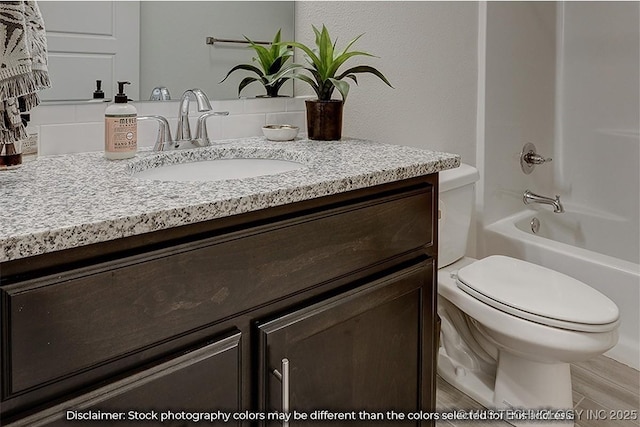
(61, 202)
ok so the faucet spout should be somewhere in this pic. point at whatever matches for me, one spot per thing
(529, 197)
(183, 132)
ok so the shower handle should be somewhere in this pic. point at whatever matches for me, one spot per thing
(536, 159)
(529, 158)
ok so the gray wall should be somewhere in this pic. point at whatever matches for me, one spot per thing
(428, 50)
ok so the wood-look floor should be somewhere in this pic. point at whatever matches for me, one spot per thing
(602, 387)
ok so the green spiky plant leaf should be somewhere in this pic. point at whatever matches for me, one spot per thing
(323, 67)
(270, 61)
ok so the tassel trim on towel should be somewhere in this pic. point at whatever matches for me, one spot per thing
(23, 84)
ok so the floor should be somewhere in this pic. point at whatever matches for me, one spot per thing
(602, 389)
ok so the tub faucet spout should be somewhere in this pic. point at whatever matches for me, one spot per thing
(529, 197)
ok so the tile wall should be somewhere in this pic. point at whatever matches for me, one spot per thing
(73, 128)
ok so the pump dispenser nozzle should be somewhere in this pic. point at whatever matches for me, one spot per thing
(121, 97)
(98, 93)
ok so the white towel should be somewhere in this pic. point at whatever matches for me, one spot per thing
(23, 64)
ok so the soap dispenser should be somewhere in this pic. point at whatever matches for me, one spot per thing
(98, 93)
(120, 127)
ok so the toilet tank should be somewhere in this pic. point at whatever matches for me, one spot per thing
(456, 205)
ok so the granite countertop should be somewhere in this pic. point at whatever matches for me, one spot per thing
(61, 202)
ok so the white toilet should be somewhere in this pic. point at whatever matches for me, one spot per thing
(510, 328)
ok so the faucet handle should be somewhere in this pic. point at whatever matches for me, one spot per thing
(202, 136)
(160, 93)
(164, 134)
(529, 158)
(536, 159)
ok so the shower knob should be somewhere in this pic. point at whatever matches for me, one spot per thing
(529, 158)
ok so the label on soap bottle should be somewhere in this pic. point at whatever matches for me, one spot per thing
(121, 133)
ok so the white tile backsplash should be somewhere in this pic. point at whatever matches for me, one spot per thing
(293, 118)
(233, 106)
(296, 104)
(93, 112)
(166, 108)
(53, 114)
(74, 128)
(71, 138)
(240, 126)
(264, 105)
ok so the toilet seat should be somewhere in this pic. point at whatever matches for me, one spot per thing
(539, 294)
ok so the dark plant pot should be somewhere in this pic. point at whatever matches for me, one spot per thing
(324, 119)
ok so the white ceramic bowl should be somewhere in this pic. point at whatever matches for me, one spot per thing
(280, 132)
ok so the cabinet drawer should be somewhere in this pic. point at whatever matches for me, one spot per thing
(60, 325)
(195, 382)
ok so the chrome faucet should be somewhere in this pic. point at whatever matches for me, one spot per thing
(183, 133)
(528, 197)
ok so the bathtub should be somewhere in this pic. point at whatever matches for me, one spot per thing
(598, 249)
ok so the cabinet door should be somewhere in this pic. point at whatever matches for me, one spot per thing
(204, 380)
(369, 349)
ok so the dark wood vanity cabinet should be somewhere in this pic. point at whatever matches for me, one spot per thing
(358, 351)
(199, 318)
(188, 382)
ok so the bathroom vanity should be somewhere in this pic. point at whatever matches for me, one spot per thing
(308, 290)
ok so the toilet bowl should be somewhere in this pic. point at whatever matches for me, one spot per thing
(510, 328)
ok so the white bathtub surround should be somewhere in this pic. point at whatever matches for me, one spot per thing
(76, 128)
(598, 102)
(79, 199)
(566, 77)
(519, 104)
(615, 277)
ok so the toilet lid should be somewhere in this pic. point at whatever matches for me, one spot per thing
(537, 293)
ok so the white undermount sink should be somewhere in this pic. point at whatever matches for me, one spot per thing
(218, 170)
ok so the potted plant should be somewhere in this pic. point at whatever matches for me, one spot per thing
(324, 114)
(270, 60)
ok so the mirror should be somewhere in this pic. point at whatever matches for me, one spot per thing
(156, 44)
